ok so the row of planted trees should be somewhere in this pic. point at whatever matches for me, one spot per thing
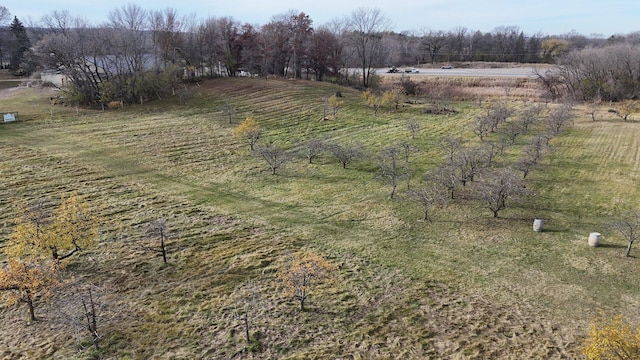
(47, 235)
(141, 54)
(484, 172)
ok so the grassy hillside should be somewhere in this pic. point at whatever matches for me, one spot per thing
(465, 285)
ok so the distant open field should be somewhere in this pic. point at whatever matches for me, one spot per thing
(464, 286)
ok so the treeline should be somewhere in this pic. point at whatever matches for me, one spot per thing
(140, 54)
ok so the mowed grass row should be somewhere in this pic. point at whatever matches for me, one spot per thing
(229, 216)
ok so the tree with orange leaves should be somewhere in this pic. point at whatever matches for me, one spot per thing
(302, 273)
(25, 281)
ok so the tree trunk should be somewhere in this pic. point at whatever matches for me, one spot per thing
(163, 249)
(246, 328)
(29, 301)
(628, 252)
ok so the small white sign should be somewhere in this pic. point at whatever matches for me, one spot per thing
(9, 117)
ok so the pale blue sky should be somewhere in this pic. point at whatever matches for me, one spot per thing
(533, 16)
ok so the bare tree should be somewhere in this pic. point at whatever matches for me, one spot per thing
(468, 164)
(275, 156)
(537, 148)
(314, 147)
(247, 307)
(428, 197)
(391, 168)
(413, 126)
(528, 116)
(229, 111)
(365, 29)
(628, 225)
(445, 177)
(498, 187)
(159, 229)
(482, 125)
(510, 131)
(346, 154)
(559, 118)
(451, 145)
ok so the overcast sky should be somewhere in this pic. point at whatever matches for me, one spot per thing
(547, 17)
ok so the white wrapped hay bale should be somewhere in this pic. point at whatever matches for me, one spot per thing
(594, 239)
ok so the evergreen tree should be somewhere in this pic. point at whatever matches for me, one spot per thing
(20, 46)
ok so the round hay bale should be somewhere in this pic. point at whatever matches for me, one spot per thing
(594, 239)
(538, 224)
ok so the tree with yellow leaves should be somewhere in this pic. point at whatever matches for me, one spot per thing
(613, 339)
(393, 98)
(72, 227)
(334, 103)
(302, 273)
(373, 100)
(24, 282)
(248, 130)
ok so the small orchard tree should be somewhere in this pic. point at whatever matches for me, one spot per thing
(559, 119)
(413, 126)
(625, 108)
(394, 97)
(392, 168)
(275, 156)
(334, 104)
(247, 307)
(302, 273)
(314, 147)
(346, 154)
(24, 282)
(612, 339)
(498, 187)
(451, 146)
(628, 225)
(70, 228)
(373, 100)
(229, 111)
(428, 197)
(248, 130)
(159, 230)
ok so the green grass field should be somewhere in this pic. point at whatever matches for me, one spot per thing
(465, 285)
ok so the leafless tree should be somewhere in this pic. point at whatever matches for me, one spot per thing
(160, 230)
(275, 156)
(444, 176)
(392, 168)
(468, 164)
(510, 131)
(498, 187)
(346, 154)
(525, 164)
(413, 126)
(229, 111)
(559, 119)
(529, 115)
(432, 43)
(482, 125)
(536, 149)
(428, 197)
(247, 307)
(451, 145)
(628, 225)
(365, 29)
(314, 147)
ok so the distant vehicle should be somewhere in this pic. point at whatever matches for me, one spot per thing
(447, 66)
(393, 70)
(415, 71)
